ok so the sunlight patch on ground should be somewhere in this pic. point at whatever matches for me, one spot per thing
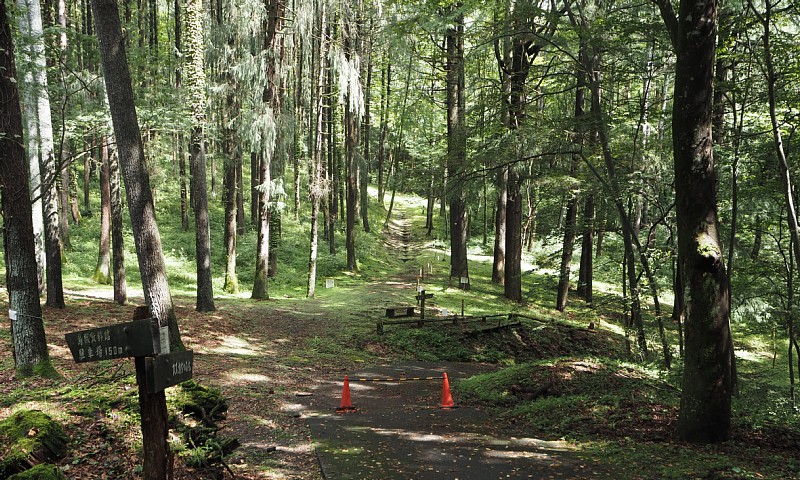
(248, 377)
(59, 351)
(231, 345)
(753, 356)
(515, 454)
(468, 437)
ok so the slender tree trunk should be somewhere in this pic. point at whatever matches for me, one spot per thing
(231, 284)
(783, 163)
(570, 224)
(386, 84)
(102, 272)
(352, 120)
(272, 100)
(117, 242)
(147, 239)
(27, 330)
(512, 282)
(255, 196)
(261, 278)
(365, 162)
(587, 250)
(499, 263)
(31, 24)
(184, 189)
(316, 187)
(36, 103)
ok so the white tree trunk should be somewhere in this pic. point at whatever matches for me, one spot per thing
(36, 104)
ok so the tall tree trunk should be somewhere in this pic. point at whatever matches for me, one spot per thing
(457, 149)
(231, 284)
(117, 242)
(316, 187)
(196, 85)
(352, 120)
(570, 221)
(36, 103)
(386, 83)
(705, 413)
(365, 163)
(145, 230)
(783, 162)
(102, 272)
(27, 330)
(272, 101)
(147, 239)
(261, 278)
(31, 25)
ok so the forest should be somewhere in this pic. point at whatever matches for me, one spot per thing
(623, 165)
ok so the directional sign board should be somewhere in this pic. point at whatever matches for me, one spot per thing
(169, 369)
(139, 338)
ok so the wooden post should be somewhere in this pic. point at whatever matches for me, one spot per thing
(153, 407)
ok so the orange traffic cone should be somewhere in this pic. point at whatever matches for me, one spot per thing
(447, 399)
(346, 405)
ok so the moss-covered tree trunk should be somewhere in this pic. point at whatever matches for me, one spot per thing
(196, 89)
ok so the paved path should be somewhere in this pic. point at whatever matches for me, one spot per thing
(398, 432)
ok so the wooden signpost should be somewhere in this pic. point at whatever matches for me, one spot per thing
(156, 369)
(421, 297)
(139, 338)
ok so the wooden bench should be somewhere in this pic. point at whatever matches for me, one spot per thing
(398, 312)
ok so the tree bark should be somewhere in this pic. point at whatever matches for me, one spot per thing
(117, 242)
(231, 284)
(570, 224)
(585, 272)
(102, 272)
(137, 181)
(27, 331)
(195, 86)
(143, 222)
(499, 262)
(352, 121)
(512, 278)
(457, 149)
(705, 413)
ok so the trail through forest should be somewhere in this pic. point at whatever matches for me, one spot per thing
(282, 379)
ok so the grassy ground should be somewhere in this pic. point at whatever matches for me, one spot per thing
(560, 379)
